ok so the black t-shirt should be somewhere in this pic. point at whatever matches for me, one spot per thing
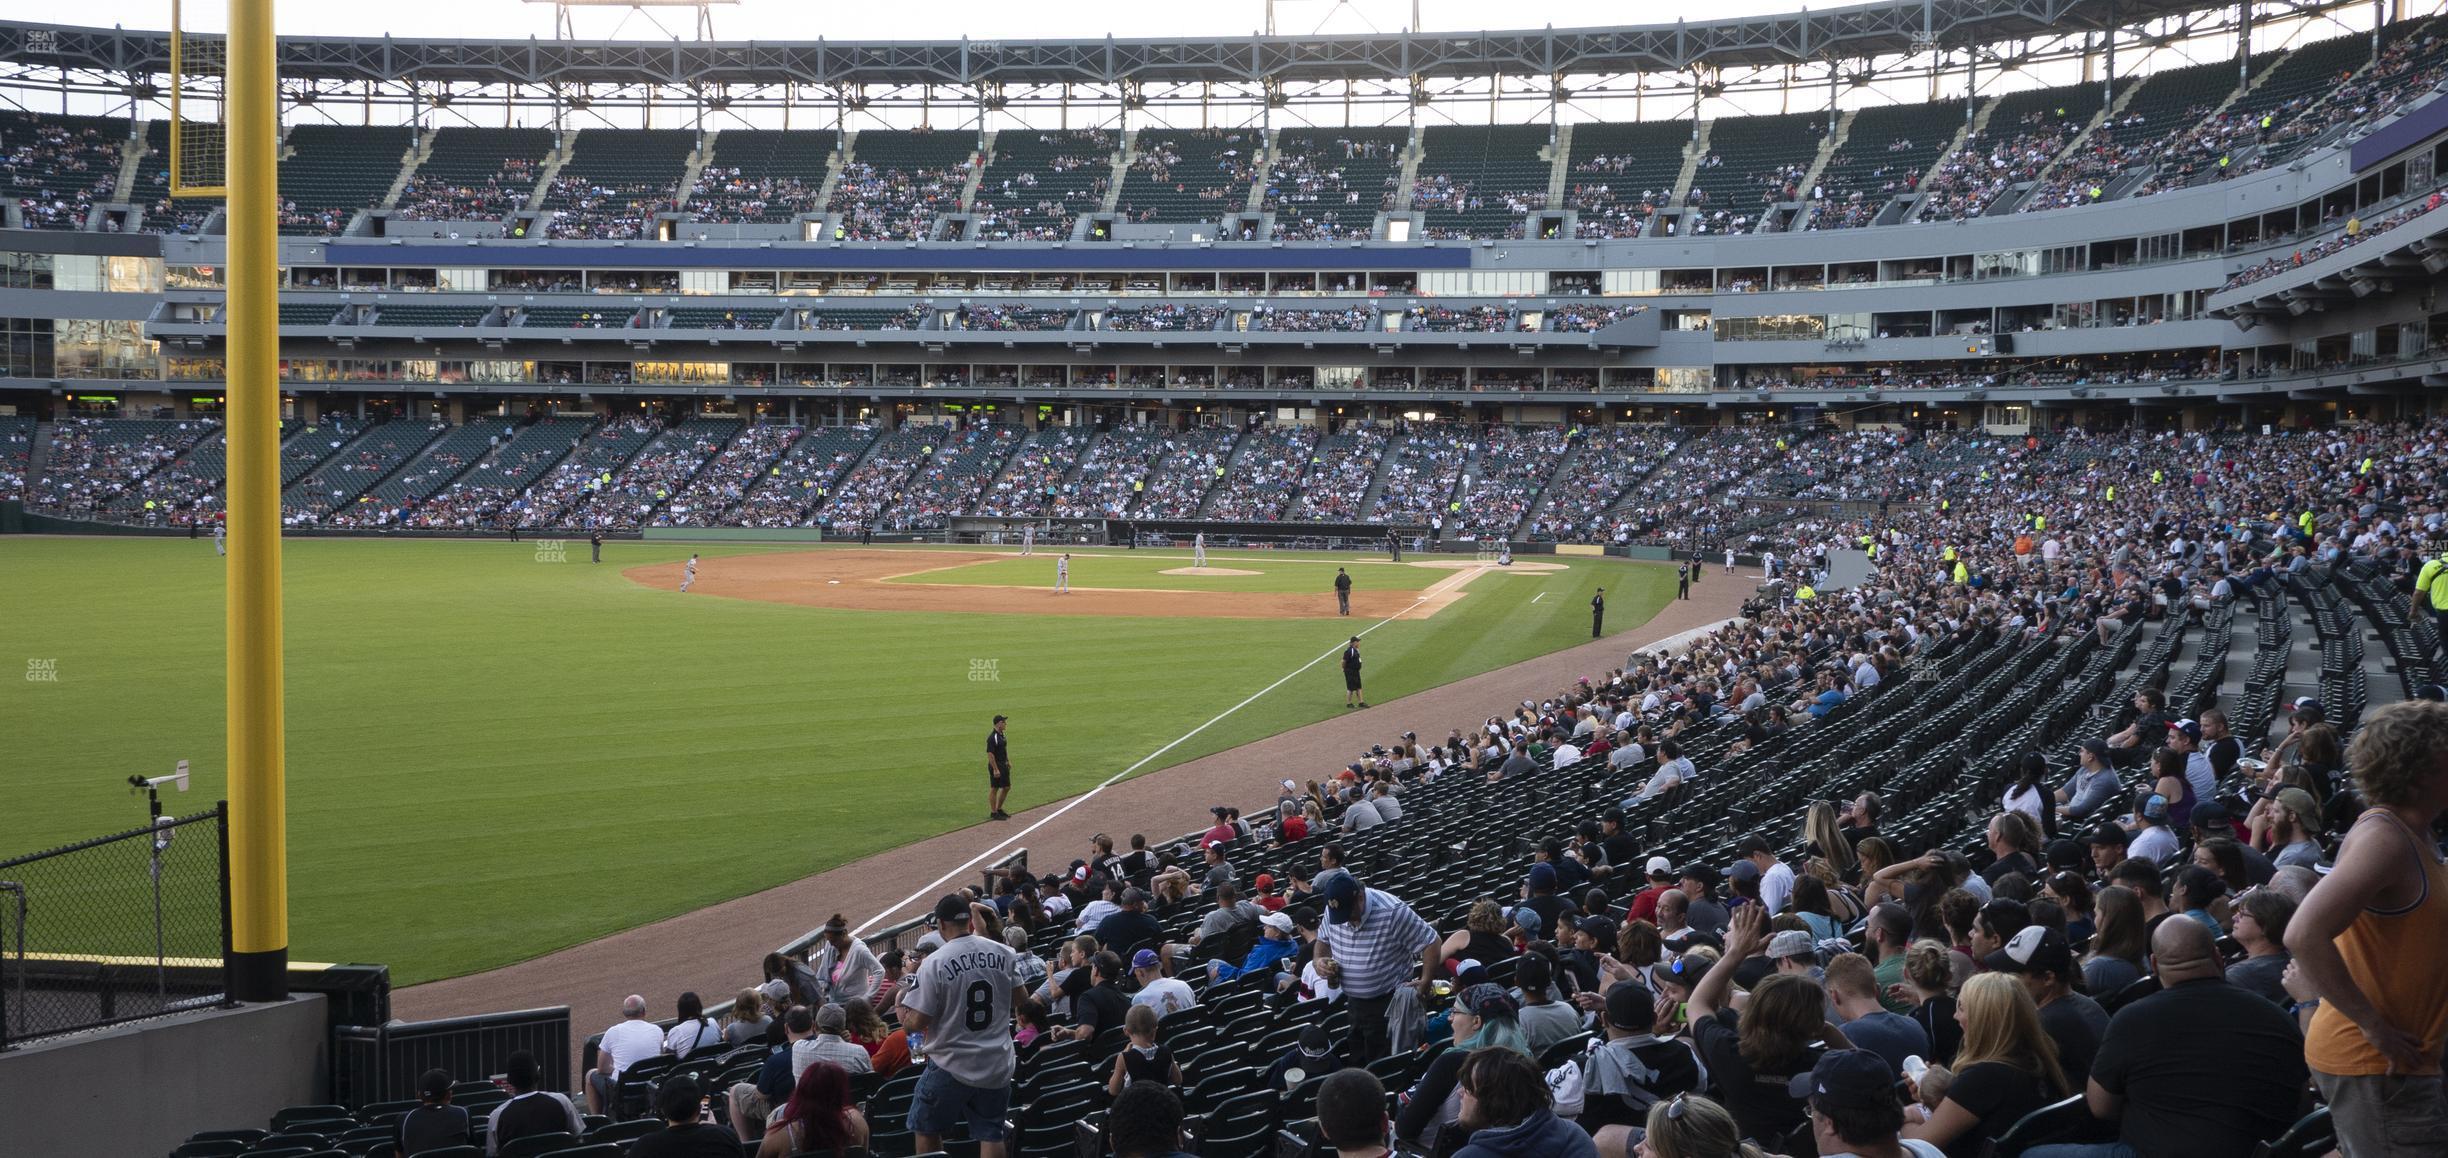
(2223, 753)
(998, 751)
(1999, 1095)
(2014, 862)
(2206, 1068)
(1126, 932)
(695, 1140)
(1486, 948)
(1100, 1008)
(2074, 1022)
(1351, 659)
(1937, 1018)
(434, 1128)
(535, 1113)
(1548, 906)
(1623, 851)
(1758, 1100)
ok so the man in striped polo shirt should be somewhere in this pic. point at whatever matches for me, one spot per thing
(1374, 939)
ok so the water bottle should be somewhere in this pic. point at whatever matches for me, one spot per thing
(917, 1047)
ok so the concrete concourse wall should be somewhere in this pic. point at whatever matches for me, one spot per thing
(142, 1089)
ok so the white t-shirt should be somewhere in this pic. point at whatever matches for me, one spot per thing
(1776, 887)
(2026, 802)
(2156, 844)
(1566, 755)
(690, 1036)
(1166, 995)
(632, 1041)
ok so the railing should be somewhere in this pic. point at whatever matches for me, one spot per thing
(381, 1063)
(115, 929)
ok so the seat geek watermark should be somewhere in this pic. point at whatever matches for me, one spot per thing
(42, 671)
(985, 671)
(552, 551)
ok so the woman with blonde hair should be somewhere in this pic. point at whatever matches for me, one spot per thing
(747, 1021)
(2006, 1068)
(862, 1027)
(1828, 846)
(1481, 937)
(1690, 1126)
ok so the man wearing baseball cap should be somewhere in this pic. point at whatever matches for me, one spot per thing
(1644, 904)
(1707, 913)
(2108, 843)
(961, 998)
(2093, 784)
(1634, 1069)
(2153, 840)
(1167, 995)
(2292, 825)
(1275, 944)
(2045, 962)
(1372, 939)
(1854, 1110)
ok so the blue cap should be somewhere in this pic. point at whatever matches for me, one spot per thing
(1543, 876)
(1343, 895)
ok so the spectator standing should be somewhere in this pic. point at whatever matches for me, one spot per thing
(1372, 937)
(961, 998)
(846, 969)
(2373, 940)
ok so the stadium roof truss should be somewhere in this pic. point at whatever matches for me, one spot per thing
(1392, 73)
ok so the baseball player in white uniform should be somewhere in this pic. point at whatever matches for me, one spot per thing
(1729, 560)
(688, 574)
(220, 538)
(1028, 538)
(1198, 550)
(1062, 574)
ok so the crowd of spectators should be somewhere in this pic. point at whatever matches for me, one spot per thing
(2186, 932)
(724, 196)
(1260, 484)
(1419, 479)
(1350, 320)
(2353, 232)
(88, 462)
(889, 203)
(592, 210)
(58, 170)
(1505, 481)
(1188, 464)
(1338, 479)
(1312, 199)
(429, 197)
(1588, 319)
(1038, 477)
(1991, 161)
(1152, 319)
(1010, 318)
(1448, 319)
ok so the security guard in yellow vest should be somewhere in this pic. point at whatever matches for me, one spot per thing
(2433, 583)
(1963, 575)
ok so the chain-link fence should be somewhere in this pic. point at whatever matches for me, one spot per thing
(114, 929)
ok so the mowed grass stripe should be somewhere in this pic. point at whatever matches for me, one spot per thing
(491, 758)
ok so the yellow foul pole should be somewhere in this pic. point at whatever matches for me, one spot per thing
(258, 838)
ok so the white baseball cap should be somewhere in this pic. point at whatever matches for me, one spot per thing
(1658, 865)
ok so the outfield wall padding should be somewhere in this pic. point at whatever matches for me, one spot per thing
(142, 1088)
(745, 535)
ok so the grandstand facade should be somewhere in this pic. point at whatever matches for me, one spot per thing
(2243, 241)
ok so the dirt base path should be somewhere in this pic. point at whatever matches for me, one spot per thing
(858, 581)
(716, 950)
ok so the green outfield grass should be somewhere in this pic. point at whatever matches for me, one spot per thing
(491, 757)
(1279, 572)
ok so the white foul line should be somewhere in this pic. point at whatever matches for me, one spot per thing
(1083, 798)
(1537, 597)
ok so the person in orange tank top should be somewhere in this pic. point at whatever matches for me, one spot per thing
(2372, 942)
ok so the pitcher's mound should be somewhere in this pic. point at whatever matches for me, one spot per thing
(1209, 571)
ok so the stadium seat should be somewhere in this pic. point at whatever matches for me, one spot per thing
(217, 1148)
(535, 1144)
(2310, 1137)
(622, 1131)
(2066, 1120)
